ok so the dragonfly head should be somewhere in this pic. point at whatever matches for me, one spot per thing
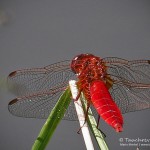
(88, 65)
(80, 62)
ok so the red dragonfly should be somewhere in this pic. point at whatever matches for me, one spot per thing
(114, 86)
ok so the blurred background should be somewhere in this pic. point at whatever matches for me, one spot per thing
(39, 33)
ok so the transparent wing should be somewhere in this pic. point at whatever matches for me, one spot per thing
(137, 71)
(131, 87)
(39, 105)
(130, 99)
(30, 81)
(38, 90)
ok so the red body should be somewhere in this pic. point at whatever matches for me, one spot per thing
(91, 72)
(105, 106)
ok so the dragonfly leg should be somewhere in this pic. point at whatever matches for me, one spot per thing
(98, 120)
(80, 90)
(86, 117)
(103, 134)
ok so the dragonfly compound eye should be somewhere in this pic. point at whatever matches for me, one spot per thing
(78, 62)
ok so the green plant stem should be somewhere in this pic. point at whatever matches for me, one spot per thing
(93, 126)
(52, 121)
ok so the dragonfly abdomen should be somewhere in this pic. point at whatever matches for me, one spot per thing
(105, 106)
